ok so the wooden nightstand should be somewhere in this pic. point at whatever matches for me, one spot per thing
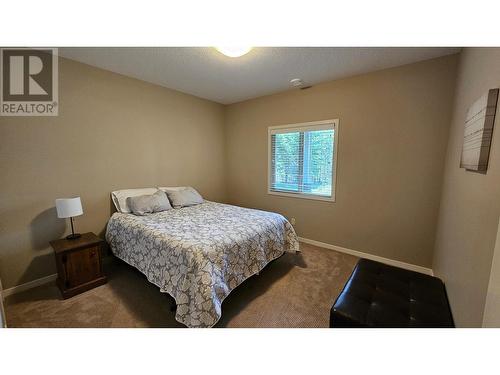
(79, 265)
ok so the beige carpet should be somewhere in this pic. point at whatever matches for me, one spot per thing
(296, 290)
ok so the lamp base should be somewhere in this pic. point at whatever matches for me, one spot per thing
(73, 236)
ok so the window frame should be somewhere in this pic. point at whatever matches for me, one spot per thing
(304, 126)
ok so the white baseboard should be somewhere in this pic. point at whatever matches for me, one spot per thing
(359, 254)
(41, 281)
(29, 285)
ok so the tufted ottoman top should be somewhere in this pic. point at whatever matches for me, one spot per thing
(378, 295)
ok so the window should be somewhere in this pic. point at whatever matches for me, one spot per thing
(302, 160)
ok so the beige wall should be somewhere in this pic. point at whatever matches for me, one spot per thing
(112, 132)
(393, 135)
(491, 316)
(470, 204)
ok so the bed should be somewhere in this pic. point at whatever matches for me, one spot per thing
(199, 254)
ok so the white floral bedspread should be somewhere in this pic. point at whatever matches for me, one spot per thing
(199, 254)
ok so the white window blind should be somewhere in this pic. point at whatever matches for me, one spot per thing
(302, 159)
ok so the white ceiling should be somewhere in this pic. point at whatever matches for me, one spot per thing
(204, 72)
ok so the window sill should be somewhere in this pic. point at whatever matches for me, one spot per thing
(302, 196)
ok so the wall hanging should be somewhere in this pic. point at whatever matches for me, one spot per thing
(478, 132)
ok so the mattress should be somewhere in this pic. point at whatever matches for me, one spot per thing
(199, 254)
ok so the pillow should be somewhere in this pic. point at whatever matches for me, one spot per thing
(173, 188)
(148, 204)
(119, 197)
(183, 197)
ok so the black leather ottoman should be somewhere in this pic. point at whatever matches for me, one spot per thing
(378, 295)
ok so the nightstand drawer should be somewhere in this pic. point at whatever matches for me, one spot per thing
(82, 266)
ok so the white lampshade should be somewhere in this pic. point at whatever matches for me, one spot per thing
(69, 207)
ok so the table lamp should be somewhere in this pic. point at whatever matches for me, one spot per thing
(69, 207)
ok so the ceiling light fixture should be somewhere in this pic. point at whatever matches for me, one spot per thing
(233, 51)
